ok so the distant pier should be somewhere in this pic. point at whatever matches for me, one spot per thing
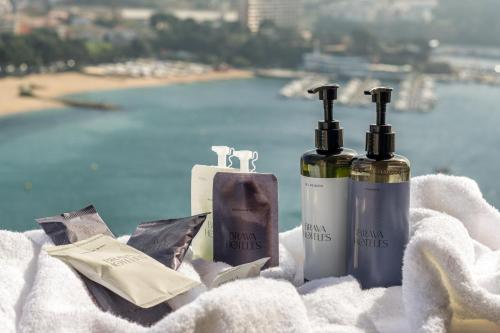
(29, 91)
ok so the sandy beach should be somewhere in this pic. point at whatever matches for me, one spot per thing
(50, 86)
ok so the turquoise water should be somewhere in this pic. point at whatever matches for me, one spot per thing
(135, 165)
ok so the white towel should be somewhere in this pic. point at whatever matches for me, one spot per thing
(451, 267)
(451, 282)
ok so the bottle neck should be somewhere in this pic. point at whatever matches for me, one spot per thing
(380, 157)
(330, 151)
(381, 109)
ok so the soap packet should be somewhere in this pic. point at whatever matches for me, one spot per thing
(245, 215)
(244, 271)
(167, 240)
(71, 227)
(124, 270)
(60, 229)
(202, 177)
(74, 226)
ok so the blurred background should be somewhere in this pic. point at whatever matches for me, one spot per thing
(112, 102)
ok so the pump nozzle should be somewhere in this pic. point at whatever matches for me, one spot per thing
(245, 156)
(327, 94)
(380, 139)
(222, 153)
(329, 135)
(381, 96)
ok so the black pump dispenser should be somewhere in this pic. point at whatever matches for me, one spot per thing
(329, 134)
(380, 139)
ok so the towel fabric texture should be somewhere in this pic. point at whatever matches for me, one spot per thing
(451, 282)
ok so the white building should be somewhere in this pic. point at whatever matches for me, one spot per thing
(144, 14)
(284, 13)
(5, 7)
(365, 11)
(5, 16)
(470, 58)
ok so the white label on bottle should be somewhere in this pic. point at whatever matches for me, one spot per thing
(324, 226)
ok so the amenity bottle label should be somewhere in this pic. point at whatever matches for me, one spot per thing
(324, 222)
(378, 232)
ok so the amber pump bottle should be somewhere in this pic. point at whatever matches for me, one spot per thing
(379, 199)
(325, 174)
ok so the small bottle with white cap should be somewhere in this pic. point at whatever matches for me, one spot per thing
(245, 214)
(246, 158)
(202, 177)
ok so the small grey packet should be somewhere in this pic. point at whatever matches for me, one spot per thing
(245, 208)
(67, 228)
(167, 240)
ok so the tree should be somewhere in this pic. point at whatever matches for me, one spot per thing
(363, 43)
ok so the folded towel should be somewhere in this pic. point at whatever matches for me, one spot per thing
(451, 267)
(451, 282)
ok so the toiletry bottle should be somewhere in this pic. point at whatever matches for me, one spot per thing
(202, 180)
(379, 199)
(245, 214)
(325, 173)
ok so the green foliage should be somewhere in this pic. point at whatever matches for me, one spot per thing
(364, 42)
(100, 51)
(214, 43)
(16, 50)
(106, 23)
(396, 42)
(43, 47)
(229, 42)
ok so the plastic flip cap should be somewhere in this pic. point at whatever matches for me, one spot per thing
(222, 153)
(246, 157)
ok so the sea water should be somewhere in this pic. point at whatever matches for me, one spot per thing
(135, 164)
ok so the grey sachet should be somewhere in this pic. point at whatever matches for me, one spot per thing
(74, 226)
(167, 240)
(245, 221)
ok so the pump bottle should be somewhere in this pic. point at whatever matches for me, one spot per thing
(325, 173)
(379, 199)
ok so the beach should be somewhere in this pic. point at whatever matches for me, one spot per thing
(51, 86)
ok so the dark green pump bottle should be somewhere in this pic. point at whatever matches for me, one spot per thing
(325, 173)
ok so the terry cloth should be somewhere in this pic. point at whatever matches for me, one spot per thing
(451, 282)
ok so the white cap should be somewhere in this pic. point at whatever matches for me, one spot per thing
(222, 153)
(245, 156)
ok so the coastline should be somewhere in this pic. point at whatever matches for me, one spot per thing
(50, 86)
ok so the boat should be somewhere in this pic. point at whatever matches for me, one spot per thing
(298, 88)
(416, 93)
(353, 93)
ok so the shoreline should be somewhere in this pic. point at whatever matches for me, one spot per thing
(51, 86)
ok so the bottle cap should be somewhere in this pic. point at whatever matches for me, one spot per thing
(329, 134)
(222, 153)
(380, 139)
(245, 156)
